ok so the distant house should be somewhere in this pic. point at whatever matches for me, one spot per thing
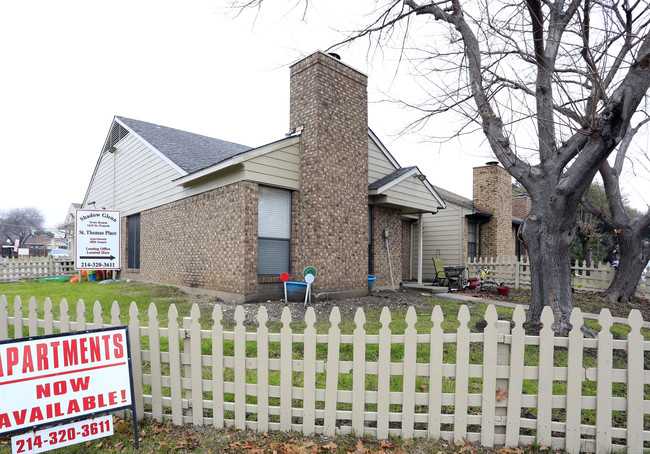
(485, 226)
(203, 212)
(67, 228)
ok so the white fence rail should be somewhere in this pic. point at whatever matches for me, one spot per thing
(26, 269)
(496, 387)
(517, 274)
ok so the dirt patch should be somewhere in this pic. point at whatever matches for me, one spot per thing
(588, 302)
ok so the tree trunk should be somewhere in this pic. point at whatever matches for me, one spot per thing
(548, 239)
(634, 258)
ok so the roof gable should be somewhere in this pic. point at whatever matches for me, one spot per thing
(189, 151)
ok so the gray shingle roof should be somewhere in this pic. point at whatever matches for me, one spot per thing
(459, 200)
(390, 177)
(191, 152)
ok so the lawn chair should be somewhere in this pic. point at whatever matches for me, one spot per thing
(440, 277)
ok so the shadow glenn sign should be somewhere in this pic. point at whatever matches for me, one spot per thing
(97, 240)
(52, 379)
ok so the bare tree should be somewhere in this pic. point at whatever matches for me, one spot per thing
(553, 86)
(20, 224)
(634, 248)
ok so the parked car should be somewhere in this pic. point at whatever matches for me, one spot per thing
(59, 254)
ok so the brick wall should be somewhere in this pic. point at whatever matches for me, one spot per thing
(493, 190)
(406, 250)
(386, 218)
(329, 99)
(208, 240)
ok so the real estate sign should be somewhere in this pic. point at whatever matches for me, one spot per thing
(97, 240)
(60, 377)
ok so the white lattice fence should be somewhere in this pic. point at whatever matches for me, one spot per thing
(516, 273)
(34, 268)
(499, 386)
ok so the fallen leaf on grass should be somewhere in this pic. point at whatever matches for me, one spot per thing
(360, 449)
(385, 444)
(331, 446)
(501, 395)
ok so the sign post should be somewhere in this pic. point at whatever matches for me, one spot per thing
(98, 238)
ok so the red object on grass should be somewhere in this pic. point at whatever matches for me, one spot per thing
(284, 277)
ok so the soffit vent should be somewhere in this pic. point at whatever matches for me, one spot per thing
(118, 132)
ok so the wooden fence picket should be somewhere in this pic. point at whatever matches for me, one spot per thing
(136, 358)
(154, 361)
(98, 321)
(604, 384)
(240, 369)
(517, 348)
(462, 375)
(383, 375)
(490, 342)
(32, 317)
(309, 374)
(4, 318)
(18, 318)
(574, 384)
(359, 373)
(262, 370)
(115, 314)
(48, 317)
(286, 370)
(196, 374)
(80, 324)
(217, 368)
(635, 383)
(175, 365)
(435, 374)
(332, 370)
(545, 378)
(64, 322)
(408, 381)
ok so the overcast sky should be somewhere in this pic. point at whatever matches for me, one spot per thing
(69, 66)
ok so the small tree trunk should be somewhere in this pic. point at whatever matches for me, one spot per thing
(550, 267)
(634, 258)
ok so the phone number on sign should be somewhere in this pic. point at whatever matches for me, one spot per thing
(64, 435)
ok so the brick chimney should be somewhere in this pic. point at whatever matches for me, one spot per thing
(493, 190)
(329, 101)
(521, 205)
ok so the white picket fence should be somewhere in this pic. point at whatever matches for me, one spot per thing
(516, 273)
(496, 387)
(28, 269)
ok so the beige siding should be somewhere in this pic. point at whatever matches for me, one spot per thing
(443, 237)
(411, 193)
(378, 164)
(132, 179)
(277, 168)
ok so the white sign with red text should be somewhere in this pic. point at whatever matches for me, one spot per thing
(63, 435)
(97, 242)
(49, 379)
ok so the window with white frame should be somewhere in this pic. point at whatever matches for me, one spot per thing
(273, 231)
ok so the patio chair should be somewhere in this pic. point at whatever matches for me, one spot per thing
(440, 278)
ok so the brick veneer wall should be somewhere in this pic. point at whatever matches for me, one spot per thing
(406, 250)
(493, 190)
(208, 240)
(329, 99)
(386, 218)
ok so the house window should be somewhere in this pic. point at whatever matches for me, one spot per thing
(471, 238)
(274, 231)
(133, 223)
